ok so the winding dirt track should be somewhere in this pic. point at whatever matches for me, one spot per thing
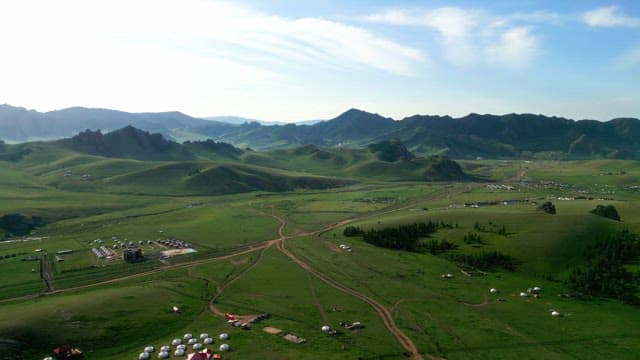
(380, 309)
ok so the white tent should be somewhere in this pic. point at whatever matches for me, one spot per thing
(224, 336)
(187, 336)
(142, 356)
(165, 348)
(555, 313)
(178, 352)
(48, 357)
(149, 349)
(192, 341)
(197, 346)
(163, 355)
(225, 347)
(493, 290)
(176, 342)
(208, 341)
(204, 336)
(326, 328)
(181, 347)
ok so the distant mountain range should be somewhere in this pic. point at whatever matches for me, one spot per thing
(236, 120)
(471, 136)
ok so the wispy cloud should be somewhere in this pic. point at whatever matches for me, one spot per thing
(470, 36)
(548, 17)
(304, 41)
(515, 49)
(629, 59)
(609, 16)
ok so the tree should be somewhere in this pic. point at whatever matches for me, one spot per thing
(548, 207)
(607, 211)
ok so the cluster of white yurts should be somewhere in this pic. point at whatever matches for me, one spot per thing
(181, 347)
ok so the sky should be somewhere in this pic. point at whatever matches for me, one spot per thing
(303, 60)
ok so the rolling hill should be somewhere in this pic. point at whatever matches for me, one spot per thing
(133, 161)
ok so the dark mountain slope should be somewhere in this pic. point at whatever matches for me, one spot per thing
(127, 142)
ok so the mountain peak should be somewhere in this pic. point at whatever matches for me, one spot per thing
(357, 113)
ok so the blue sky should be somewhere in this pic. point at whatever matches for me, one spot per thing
(294, 60)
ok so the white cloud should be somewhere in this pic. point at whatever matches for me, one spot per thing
(515, 49)
(609, 16)
(470, 36)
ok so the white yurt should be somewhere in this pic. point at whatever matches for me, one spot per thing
(181, 347)
(493, 290)
(48, 358)
(178, 352)
(149, 349)
(142, 356)
(204, 336)
(225, 347)
(175, 342)
(187, 336)
(163, 355)
(326, 328)
(197, 346)
(224, 336)
(165, 348)
(555, 313)
(192, 341)
(208, 341)
(523, 294)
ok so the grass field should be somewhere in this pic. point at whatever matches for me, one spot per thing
(278, 252)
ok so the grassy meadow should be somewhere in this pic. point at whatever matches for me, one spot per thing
(112, 309)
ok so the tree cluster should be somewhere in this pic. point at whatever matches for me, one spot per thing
(492, 227)
(548, 207)
(405, 237)
(605, 273)
(473, 238)
(350, 231)
(486, 260)
(435, 247)
(18, 224)
(608, 211)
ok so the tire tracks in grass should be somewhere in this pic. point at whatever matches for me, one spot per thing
(219, 292)
(314, 296)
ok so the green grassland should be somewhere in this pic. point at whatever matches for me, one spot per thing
(233, 216)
